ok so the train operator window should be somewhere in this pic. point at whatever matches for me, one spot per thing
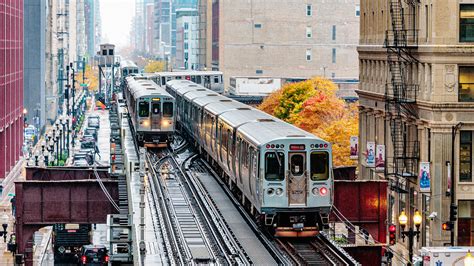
(297, 164)
(319, 166)
(143, 109)
(274, 166)
(155, 107)
(168, 109)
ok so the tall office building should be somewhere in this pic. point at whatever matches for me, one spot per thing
(186, 38)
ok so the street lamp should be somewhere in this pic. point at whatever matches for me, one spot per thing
(469, 259)
(410, 233)
(4, 221)
(25, 112)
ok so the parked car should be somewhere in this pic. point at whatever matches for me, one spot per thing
(81, 162)
(93, 255)
(83, 156)
(91, 131)
(93, 121)
(88, 146)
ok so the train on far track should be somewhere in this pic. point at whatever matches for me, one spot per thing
(281, 174)
(152, 112)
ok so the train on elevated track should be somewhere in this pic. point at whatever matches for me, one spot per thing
(282, 174)
(151, 110)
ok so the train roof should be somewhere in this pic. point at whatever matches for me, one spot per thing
(190, 73)
(241, 116)
(127, 63)
(224, 106)
(143, 88)
(267, 130)
(207, 100)
(197, 94)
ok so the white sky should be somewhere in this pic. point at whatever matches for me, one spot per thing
(116, 18)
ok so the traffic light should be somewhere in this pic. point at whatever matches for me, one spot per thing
(453, 212)
(447, 226)
(392, 234)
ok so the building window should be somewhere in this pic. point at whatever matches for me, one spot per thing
(358, 11)
(258, 26)
(333, 55)
(309, 32)
(465, 157)
(186, 25)
(466, 84)
(466, 23)
(466, 223)
(186, 46)
(186, 56)
(309, 10)
(259, 71)
(308, 54)
(185, 35)
(333, 75)
(333, 32)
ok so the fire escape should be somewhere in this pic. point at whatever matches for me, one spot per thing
(400, 94)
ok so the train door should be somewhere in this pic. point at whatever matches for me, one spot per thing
(297, 179)
(155, 115)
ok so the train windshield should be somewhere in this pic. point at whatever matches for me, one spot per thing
(319, 165)
(167, 109)
(274, 166)
(155, 107)
(143, 109)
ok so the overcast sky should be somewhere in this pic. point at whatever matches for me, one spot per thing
(116, 18)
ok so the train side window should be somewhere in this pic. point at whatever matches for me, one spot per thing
(319, 166)
(167, 109)
(274, 166)
(156, 108)
(163, 81)
(198, 80)
(216, 79)
(143, 109)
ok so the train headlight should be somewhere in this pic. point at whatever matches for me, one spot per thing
(323, 191)
(165, 123)
(315, 191)
(270, 191)
(279, 191)
(146, 123)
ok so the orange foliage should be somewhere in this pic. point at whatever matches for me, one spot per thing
(313, 106)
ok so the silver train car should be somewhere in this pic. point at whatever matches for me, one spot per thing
(128, 67)
(152, 112)
(282, 174)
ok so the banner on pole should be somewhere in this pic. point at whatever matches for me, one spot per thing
(370, 159)
(354, 147)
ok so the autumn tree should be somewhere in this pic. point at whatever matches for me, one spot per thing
(155, 66)
(91, 77)
(313, 106)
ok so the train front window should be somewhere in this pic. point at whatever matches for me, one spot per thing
(297, 164)
(167, 109)
(319, 166)
(274, 166)
(155, 107)
(143, 109)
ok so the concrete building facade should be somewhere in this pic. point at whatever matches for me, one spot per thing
(186, 38)
(11, 84)
(297, 38)
(443, 75)
(35, 62)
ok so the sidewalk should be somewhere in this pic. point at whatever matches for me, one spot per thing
(17, 173)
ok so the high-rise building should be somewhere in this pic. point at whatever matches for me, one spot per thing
(186, 38)
(163, 28)
(416, 98)
(35, 62)
(149, 25)
(11, 84)
(300, 38)
(177, 5)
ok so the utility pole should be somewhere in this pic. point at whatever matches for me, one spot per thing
(83, 70)
(66, 92)
(73, 91)
(453, 205)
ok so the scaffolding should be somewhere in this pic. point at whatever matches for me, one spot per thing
(401, 94)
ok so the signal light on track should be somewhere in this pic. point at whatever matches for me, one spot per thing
(392, 234)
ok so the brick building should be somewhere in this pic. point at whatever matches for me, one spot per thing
(297, 38)
(11, 83)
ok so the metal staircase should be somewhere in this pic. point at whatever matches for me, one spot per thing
(401, 91)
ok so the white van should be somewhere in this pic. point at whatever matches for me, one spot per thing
(436, 256)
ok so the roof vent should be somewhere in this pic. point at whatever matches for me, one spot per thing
(243, 108)
(296, 136)
(193, 85)
(265, 120)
